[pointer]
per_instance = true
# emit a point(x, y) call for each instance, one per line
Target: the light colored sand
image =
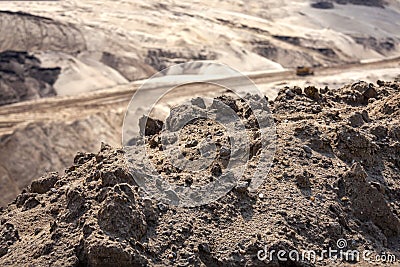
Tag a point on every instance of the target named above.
point(80, 73)
point(228, 29)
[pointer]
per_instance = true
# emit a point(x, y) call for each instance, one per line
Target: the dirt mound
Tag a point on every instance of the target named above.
point(26, 32)
point(335, 176)
point(22, 78)
point(40, 147)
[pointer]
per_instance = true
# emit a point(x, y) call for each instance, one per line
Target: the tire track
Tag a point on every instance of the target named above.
point(72, 107)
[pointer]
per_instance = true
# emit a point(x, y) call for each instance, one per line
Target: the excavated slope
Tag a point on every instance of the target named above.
point(23, 78)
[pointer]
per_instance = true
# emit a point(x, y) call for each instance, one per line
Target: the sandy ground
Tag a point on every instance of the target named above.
point(51, 130)
point(106, 48)
point(333, 186)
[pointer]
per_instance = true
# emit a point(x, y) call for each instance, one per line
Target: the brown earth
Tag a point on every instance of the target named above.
point(132, 40)
point(41, 147)
point(335, 175)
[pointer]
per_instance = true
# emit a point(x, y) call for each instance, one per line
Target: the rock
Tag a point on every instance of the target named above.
point(30, 203)
point(289, 93)
point(379, 131)
point(198, 101)
point(192, 143)
point(370, 92)
point(229, 101)
point(8, 236)
point(189, 181)
point(120, 215)
point(154, 142)
point(182, 115)
point(365, 116)
point(312, 92)
point(120, 175)
point(162, 207)
point(307, 149)
point(297, 90)
point(324, 90)
point(75, 198)
point(216, 169)
point(356, 120)
point(380, 83)
point(354, 145)
point(366, 91)
point(303, 179)
point(242, 186)
point(149, 126)
point(22, 78)
point(44, 184)
point(224, 152)
point(323, 5)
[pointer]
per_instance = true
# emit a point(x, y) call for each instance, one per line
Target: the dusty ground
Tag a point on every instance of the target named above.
point(100, 56)
point(95, 215)
point(335, 175)
point(43, 135)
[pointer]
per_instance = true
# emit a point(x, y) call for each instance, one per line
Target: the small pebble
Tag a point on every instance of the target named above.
point(224, 152)
point(162, 207)
point(289, 93)
point(307, 149)
point(242, 186)
point(345, 199)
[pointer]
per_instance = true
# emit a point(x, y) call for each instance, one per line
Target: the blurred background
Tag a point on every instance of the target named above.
point(69, 68)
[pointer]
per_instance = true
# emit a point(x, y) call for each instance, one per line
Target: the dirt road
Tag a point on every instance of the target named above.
point(71, 107)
